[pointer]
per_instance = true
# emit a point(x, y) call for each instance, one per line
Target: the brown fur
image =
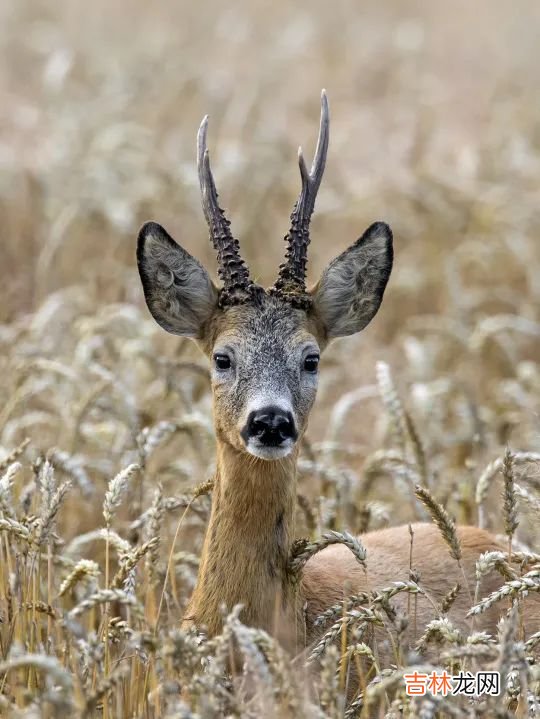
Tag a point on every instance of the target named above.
point(248, 541)
point(249, 538)
point(327, 574)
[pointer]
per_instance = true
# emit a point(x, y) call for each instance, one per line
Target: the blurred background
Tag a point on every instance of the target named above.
point(435, 128)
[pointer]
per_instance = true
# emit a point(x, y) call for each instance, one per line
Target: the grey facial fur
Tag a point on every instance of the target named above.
point(267, 345)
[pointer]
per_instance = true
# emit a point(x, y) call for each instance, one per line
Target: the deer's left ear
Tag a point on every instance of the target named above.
point(351, 288)
point(178, 290)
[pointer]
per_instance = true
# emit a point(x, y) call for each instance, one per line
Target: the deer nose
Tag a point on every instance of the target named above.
point(271, 426)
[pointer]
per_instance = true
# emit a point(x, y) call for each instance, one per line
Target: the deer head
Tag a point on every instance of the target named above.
point(264, 345)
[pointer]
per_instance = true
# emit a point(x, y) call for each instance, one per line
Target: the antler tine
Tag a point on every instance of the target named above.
point(231, 267)
point(319, 161)
point(291, 282)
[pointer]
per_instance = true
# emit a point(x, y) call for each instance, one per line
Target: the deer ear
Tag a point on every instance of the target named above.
point(351, 288)
point(178, 290)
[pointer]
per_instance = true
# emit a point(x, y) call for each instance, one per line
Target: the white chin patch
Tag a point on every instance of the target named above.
point(257, 449)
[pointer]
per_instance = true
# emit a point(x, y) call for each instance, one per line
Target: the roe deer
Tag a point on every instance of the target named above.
point(264, 347)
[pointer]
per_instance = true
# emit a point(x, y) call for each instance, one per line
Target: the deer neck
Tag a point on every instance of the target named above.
point(247, 543)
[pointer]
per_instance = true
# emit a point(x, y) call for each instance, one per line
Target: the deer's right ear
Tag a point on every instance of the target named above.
point(350, 291)
point(178, 290)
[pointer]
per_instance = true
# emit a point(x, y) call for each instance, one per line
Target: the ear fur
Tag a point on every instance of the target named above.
point(178, 290)
point(351, 288)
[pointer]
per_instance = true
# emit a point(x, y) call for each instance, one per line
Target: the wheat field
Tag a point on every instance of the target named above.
point(106, 435)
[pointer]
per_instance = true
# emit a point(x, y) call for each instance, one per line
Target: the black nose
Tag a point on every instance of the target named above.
point(271, 426)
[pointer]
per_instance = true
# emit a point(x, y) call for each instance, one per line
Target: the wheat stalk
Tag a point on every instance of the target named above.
point(307, 550)
point(529, 582)
point(440, 516)
point(116, 490)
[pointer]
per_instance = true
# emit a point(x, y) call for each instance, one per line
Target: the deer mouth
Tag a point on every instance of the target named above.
point(269, 452)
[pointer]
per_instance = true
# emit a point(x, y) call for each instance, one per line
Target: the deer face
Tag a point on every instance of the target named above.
point(264, 360)
point(264, 353)
point(263, 345)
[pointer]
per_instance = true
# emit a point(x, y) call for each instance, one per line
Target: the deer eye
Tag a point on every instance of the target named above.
point(311, 363)
point(222, 361)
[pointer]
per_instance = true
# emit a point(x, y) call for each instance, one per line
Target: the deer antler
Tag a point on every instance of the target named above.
point(237, 285)
point(291, 282)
